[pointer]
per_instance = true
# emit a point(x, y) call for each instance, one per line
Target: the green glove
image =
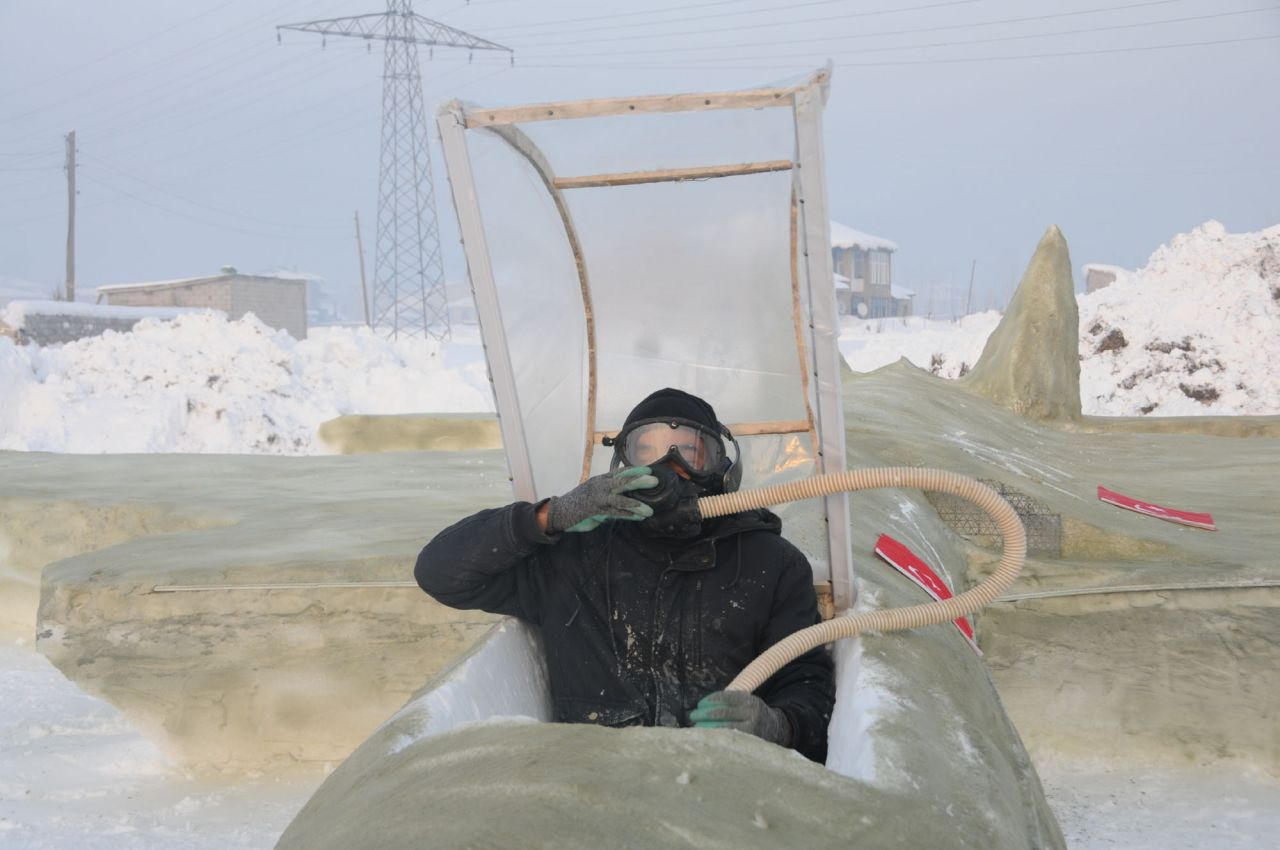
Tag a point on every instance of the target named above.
point(601, 498)
point(744, 712)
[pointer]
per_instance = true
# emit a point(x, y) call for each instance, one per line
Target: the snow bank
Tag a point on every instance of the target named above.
point(1195, 331)
point(945, 347)
point(202, 384)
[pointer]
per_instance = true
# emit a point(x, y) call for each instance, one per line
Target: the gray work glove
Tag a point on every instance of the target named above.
point(744, 712)
point(601, 498)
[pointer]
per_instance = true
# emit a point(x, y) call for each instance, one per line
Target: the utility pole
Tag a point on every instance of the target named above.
point(408, 269)
point(969, 298)
point(364, 290)
point(71, 216)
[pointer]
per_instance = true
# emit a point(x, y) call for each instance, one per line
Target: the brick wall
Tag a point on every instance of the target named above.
point(54, 329)
point(214, 294)
point(278, 303)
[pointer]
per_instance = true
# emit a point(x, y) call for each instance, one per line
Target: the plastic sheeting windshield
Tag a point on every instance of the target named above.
point(682, 271)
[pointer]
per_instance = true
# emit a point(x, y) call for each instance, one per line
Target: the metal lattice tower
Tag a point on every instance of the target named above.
point(409, 289)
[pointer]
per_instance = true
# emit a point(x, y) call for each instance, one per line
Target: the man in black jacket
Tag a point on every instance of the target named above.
point(646, 616)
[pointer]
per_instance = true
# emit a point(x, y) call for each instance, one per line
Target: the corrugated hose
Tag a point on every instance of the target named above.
point(891, 619)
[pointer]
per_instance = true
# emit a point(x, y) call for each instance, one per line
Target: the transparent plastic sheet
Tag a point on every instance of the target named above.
point(690, 286)
point(649, 142)
point(541, 302)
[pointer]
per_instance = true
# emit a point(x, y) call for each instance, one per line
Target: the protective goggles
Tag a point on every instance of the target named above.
point(687, 444)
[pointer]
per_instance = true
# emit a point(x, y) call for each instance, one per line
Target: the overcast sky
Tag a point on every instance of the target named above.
point(960, 129)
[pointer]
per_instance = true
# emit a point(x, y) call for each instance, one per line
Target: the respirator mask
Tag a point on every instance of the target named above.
point(669, 443)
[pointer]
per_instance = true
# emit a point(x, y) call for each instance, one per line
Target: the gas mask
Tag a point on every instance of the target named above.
point(693, 447)
point(674, 502)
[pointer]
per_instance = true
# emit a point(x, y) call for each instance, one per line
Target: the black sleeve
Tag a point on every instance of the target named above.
point(487, 561)
point(805, 689)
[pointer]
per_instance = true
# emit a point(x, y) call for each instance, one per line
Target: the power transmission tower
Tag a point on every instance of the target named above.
point(408, 272)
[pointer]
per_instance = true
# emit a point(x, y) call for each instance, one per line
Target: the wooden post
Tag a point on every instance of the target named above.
point(969, 298)
point(364, 291)
point(71, 216)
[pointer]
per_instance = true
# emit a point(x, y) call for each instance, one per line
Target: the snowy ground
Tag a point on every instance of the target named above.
point(1157, 807)
point(77, 776)
point(1196, 331)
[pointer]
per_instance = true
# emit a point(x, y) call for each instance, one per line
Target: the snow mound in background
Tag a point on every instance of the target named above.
point(202, 384)
point(1194, 332)
point(946, 347)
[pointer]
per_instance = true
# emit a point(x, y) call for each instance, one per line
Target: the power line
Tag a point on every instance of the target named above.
point(211, 208)
point(829, 18)
point(172, 86)
point(234, 97)
point(648, 12)
point(159, 67)
point(849, 64)
point(932, 45)
point(116, 52)
point(232, 228)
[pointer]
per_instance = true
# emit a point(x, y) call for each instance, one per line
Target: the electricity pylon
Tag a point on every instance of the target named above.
point(408, 272)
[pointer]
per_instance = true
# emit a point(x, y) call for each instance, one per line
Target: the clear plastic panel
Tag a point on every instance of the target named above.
point(690, 287)
point(650, 142)
point(541, 302)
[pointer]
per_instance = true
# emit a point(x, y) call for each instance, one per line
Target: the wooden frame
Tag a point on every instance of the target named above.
point(812, 292)
point(672, 175)
point(648, 104)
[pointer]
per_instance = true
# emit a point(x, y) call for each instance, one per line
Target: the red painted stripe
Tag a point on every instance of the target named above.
point(1196, 520)
point(897, 555)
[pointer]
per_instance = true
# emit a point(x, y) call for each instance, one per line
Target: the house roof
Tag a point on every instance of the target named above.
point(291, 273)
point(187, 281)
point(847, 237)
point(901, 291)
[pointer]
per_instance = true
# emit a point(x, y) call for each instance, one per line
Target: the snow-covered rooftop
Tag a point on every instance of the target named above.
point(17, 311)
point(286, 273)
point(846, 237)
point(187, 281)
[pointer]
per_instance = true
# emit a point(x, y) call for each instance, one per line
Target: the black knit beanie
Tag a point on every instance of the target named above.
point(675, 403)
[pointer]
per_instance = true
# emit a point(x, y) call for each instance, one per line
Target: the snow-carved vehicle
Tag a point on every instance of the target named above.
point(623, 244)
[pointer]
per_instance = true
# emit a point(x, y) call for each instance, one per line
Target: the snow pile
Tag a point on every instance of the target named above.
point(202, 384)
point(947, 348)
point(1196, 331)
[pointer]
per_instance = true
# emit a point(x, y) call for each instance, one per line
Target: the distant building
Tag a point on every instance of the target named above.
point(322, 307)
point(278, 302)
point(1099, 275)
point(863, 267)
point(58, 322)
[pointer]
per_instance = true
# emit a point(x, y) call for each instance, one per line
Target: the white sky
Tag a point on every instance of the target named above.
point(960, 130)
